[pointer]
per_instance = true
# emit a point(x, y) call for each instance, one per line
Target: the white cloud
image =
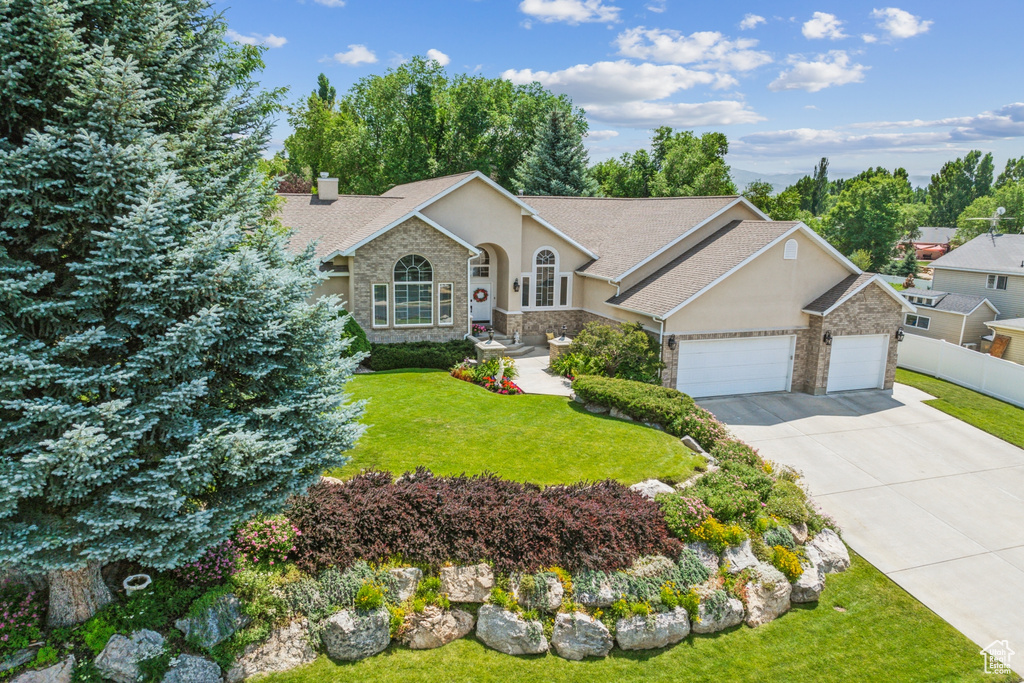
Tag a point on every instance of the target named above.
point(255, 39)
point(899, 23)
point(828, 70)
point(658, 6)
point(356, 54)
point(823, 25)
point(570, 11)
point(704, 49)
point(751, 21)
point(869, 38)
point(617, 82)
point(598, 135)
point(330, 3)
point(676, 114)
point(1005, 122)
point(438, 56)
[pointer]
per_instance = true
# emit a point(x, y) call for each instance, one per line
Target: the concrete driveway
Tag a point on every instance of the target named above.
point(934, 503)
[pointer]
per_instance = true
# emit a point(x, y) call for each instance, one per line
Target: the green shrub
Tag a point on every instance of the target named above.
point(753, 478)
point(46, 656)
point(731, 450)
point(354, 331)
point(718, 536)
point(369, 597)
point(760, 549)
point(625, 351)
point(432, 355)
point(570, 364)
point(95, 633)
point(701, 426)
point(396, 620)
point(683, 514)
point(780, 536)
point(645, 402)
point(787, 562)
point(727, 495)
point(788, 501)
point(504, 600)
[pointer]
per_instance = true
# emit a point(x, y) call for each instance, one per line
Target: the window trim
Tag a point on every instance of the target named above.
point(373, 305)
point(451, 303)
point(394, 292)
point(917, 319)
point(992, 282)
point(484, 262)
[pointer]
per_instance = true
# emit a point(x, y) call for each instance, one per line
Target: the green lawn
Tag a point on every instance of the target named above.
point(450, 426)
point(883, 635)
point(984, 412)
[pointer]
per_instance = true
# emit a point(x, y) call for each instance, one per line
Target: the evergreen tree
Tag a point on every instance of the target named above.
point(325, 91)
point(162, 376)
point(557, 164)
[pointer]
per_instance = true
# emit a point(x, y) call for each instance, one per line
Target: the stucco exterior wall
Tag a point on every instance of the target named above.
point(374, 264)
point(1009, 301)
point(536, 236)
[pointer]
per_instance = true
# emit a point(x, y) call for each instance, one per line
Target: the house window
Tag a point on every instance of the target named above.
point(918, 321)
point(563, 290)
point(544, 278)
point(996, 282)
point(414, 291)
point(380, 305)
point(481, 265)
point(790, 251)
point(526, 291)
point(444, 304)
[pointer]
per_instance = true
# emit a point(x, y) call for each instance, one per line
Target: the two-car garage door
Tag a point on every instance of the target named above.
point(747, 365)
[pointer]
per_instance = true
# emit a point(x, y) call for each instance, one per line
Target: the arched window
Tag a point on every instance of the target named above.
point(414, 291)
point(790, 250)
point(545, 265)
point(481, 264)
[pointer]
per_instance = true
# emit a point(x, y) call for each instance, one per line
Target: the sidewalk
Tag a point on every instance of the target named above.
point(534, 377)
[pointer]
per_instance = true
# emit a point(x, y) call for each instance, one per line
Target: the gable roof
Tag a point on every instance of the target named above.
point(961, 304)
point(935, 235)
point(845, 290)
point(987, 253)
point(1009, 324)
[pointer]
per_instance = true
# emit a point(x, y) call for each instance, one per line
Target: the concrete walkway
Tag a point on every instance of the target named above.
point(534, 377)
point(933, 502)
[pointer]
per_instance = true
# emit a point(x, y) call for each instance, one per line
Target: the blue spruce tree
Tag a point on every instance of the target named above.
point(162, 375)
point(557, 164)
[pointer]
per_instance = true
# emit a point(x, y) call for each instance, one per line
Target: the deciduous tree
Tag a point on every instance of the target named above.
point(957, 184)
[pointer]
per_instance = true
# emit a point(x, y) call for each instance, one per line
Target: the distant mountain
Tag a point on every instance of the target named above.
point(779, 181)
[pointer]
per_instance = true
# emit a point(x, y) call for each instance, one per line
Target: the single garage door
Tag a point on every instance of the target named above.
point(724, 367)
point(858, 362)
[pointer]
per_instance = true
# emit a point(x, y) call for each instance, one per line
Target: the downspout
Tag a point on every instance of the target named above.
point(469, 304)
point(963, 326)
point(661, 343)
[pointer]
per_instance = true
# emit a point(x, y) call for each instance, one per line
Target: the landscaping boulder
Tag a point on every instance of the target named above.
point(467, 584)
point(706, 555)
point(654, 631)
point(799, 532)
point(651, 487)
point(579, 635)
point(692, 444)
point(120, 659)
point(718, 614)
point(834, 555)
point(408, 579)
point(739, 557)
point(595, 408)
point(810, 584)
point(287, 648)
point(767, 596)
point(436, 627)
point(192, 669)
point(508, 632)
point(58, 673)
point(22, 656)
point(216, 624)
point(650, 566)
point(601, 596)
point(546, 598)
point(616, 413)
point(350, 635)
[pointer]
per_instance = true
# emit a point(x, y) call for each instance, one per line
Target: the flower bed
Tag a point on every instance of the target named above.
point(495, 374)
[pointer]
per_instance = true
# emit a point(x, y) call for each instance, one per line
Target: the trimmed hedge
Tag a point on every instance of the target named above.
point(517, 527)
point(425, 354)
point(355, 332)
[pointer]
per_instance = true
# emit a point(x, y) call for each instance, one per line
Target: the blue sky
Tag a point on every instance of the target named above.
point(912, 84)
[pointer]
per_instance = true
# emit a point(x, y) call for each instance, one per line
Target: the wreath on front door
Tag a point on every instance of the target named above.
point(480, 295)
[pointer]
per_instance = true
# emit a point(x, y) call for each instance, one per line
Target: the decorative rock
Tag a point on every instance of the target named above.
point(408, 578)
point(618, 414)
point(636, 633)
point(351, 635)
point(706, 555)
point(192, 669)
point(739, 557)
point(650, 566)
point(467, 584)
point(579, 635)
point(436, 627)
point(331, 480)
point(809, 586)
point(120, 659)
point(767, 597)
point(22, 656)
point(58, 673)
point(507, 632)
point(595, 408)
point(654, 425)
point(287, 648)
point(692, 444)
point(834, 555)
point(575, 397)
point(651, 487)
point(718, 616)
point(220, 621)
point(547, 599)
point(799, 532)
point(602, 596)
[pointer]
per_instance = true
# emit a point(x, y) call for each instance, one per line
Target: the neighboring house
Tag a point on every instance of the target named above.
point(739, 303)
point(989, 266)
point(1012, 328)
point(956, 318)
point(932, 243)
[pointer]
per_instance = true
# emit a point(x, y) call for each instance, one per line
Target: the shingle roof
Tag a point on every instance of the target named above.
point(988, 252)
point(845, 288)
point(935, 235)
point(944, 301)
point(623, 232)
point(676, 282)
point(1011, 323)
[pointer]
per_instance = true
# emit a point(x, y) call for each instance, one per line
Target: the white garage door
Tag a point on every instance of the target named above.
point(736, 366)
point(858, 362)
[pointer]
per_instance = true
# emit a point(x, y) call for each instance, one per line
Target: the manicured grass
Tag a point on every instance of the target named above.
point(883, 635)
point(984, 412)
point(432, 419)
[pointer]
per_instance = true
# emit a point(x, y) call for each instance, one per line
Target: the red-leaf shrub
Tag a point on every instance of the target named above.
point(463, 519)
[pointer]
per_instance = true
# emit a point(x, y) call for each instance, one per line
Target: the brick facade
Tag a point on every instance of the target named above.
point(537, 323)
point(374, 263)
point(670, 357)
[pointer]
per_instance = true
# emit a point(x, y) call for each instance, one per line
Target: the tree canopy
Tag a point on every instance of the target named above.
point(957, 184)
point(557, 164)
point(867, 217)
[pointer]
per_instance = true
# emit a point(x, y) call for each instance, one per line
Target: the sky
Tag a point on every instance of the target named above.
point(866, 84)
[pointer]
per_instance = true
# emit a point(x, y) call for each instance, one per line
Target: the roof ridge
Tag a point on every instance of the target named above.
point(630, 199)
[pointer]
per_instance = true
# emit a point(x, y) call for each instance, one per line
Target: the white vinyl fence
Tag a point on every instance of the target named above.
point(979, 371)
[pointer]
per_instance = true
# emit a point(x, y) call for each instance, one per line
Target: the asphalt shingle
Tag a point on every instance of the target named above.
point(988, 252)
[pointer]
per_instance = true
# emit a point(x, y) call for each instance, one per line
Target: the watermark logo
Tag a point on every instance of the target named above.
point(997, 657)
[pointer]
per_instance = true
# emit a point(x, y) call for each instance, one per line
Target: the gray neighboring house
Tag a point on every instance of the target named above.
point(989, 266)
point(957, 318)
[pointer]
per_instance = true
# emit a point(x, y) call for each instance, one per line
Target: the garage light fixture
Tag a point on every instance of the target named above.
point(827, 338)
point(515, 285)
point(672, 342)
point(899, 334)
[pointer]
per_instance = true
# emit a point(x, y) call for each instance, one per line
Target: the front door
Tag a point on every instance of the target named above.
point(480, 302)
